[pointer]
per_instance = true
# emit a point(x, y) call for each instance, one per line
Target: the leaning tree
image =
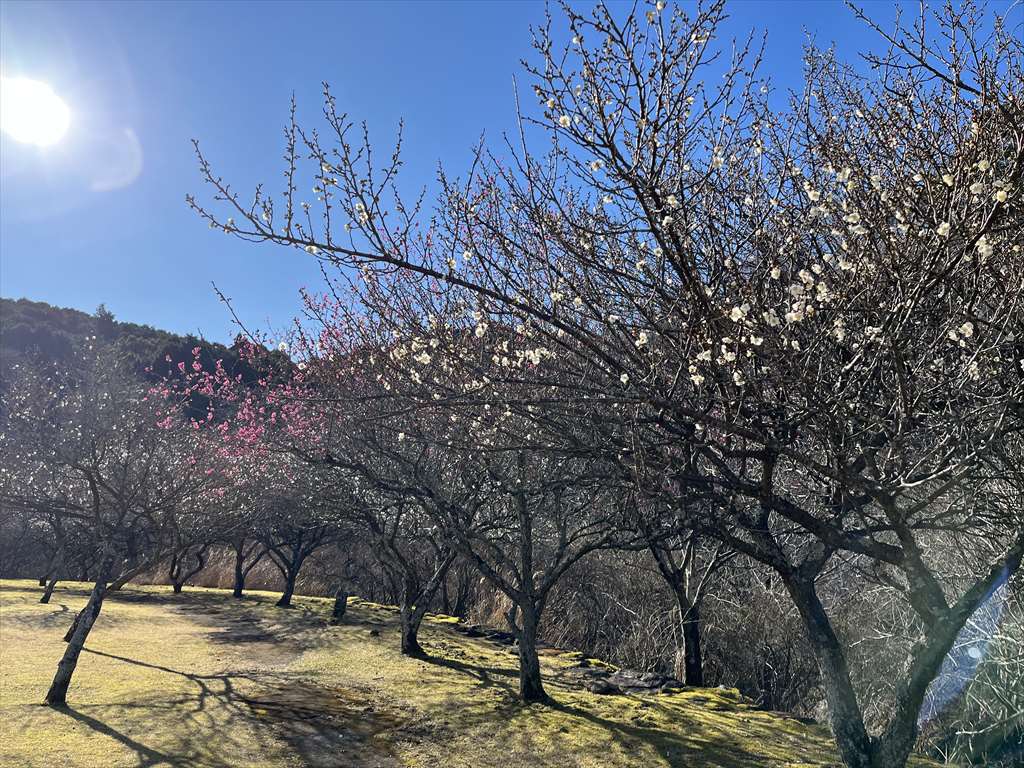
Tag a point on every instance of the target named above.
point(90, 443)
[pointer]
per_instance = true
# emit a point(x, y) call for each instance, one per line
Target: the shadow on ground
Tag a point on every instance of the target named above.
point(321, 726)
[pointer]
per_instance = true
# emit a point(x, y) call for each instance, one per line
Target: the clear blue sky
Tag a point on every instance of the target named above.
point(100, 217)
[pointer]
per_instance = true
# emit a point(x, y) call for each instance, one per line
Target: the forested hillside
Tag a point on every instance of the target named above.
point(35, 329)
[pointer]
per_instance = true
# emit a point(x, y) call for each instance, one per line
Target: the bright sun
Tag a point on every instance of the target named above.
point(30, 112)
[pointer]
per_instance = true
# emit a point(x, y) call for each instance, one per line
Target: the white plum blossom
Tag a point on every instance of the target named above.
point(983, 247)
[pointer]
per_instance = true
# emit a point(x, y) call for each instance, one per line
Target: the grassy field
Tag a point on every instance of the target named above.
point(201, 679)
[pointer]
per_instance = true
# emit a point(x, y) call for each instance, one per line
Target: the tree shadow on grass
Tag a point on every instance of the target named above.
point(146, 756)
point(683, 736)
point(223, 716)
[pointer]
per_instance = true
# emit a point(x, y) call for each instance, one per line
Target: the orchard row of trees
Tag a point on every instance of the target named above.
point(725, 334)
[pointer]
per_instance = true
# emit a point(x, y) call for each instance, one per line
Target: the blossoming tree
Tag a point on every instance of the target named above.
point(806, 319)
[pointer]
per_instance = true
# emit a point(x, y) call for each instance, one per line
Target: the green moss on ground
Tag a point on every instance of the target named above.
point(202, 679)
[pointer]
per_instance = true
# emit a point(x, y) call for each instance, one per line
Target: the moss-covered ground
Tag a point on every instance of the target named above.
point(202, 679)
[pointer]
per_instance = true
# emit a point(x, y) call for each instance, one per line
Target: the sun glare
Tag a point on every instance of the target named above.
point(30, 112)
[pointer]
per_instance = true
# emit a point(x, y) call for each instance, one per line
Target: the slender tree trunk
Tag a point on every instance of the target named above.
point(340, 605)
point(855, 745)
point(410, 619)
point(239, 569)
point(130, 574)
point(174, 572)
point(49, 590)
point(42, 579)
point(531, 687)
point(77, 634)
point(289, 589)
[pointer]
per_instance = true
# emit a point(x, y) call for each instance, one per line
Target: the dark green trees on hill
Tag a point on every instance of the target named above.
point(36, 329)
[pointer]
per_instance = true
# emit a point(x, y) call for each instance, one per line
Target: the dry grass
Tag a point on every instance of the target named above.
point(200, 679)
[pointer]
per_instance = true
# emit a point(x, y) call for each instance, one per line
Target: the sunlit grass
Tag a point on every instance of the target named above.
point(201, 679)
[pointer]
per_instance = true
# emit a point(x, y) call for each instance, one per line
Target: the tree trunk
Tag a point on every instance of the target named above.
point(239, 570)
point(77, 634)
point(49, 590)
point(855, 746)
point(131, 573)
point(340, 605)
point(289, 590)
point(531, 687)
point(411, 619)
point(42, 579)
point(176, 587)
point(174, 572)
point(689, 666)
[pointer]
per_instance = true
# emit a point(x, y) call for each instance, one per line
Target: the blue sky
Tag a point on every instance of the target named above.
point(100, 217)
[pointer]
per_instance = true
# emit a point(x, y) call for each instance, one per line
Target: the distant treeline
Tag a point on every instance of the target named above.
point(37, 329)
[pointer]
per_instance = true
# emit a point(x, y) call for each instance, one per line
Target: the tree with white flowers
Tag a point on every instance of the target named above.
point(800, 327)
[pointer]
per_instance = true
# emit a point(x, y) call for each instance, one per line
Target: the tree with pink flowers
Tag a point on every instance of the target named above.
point(91, 446)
